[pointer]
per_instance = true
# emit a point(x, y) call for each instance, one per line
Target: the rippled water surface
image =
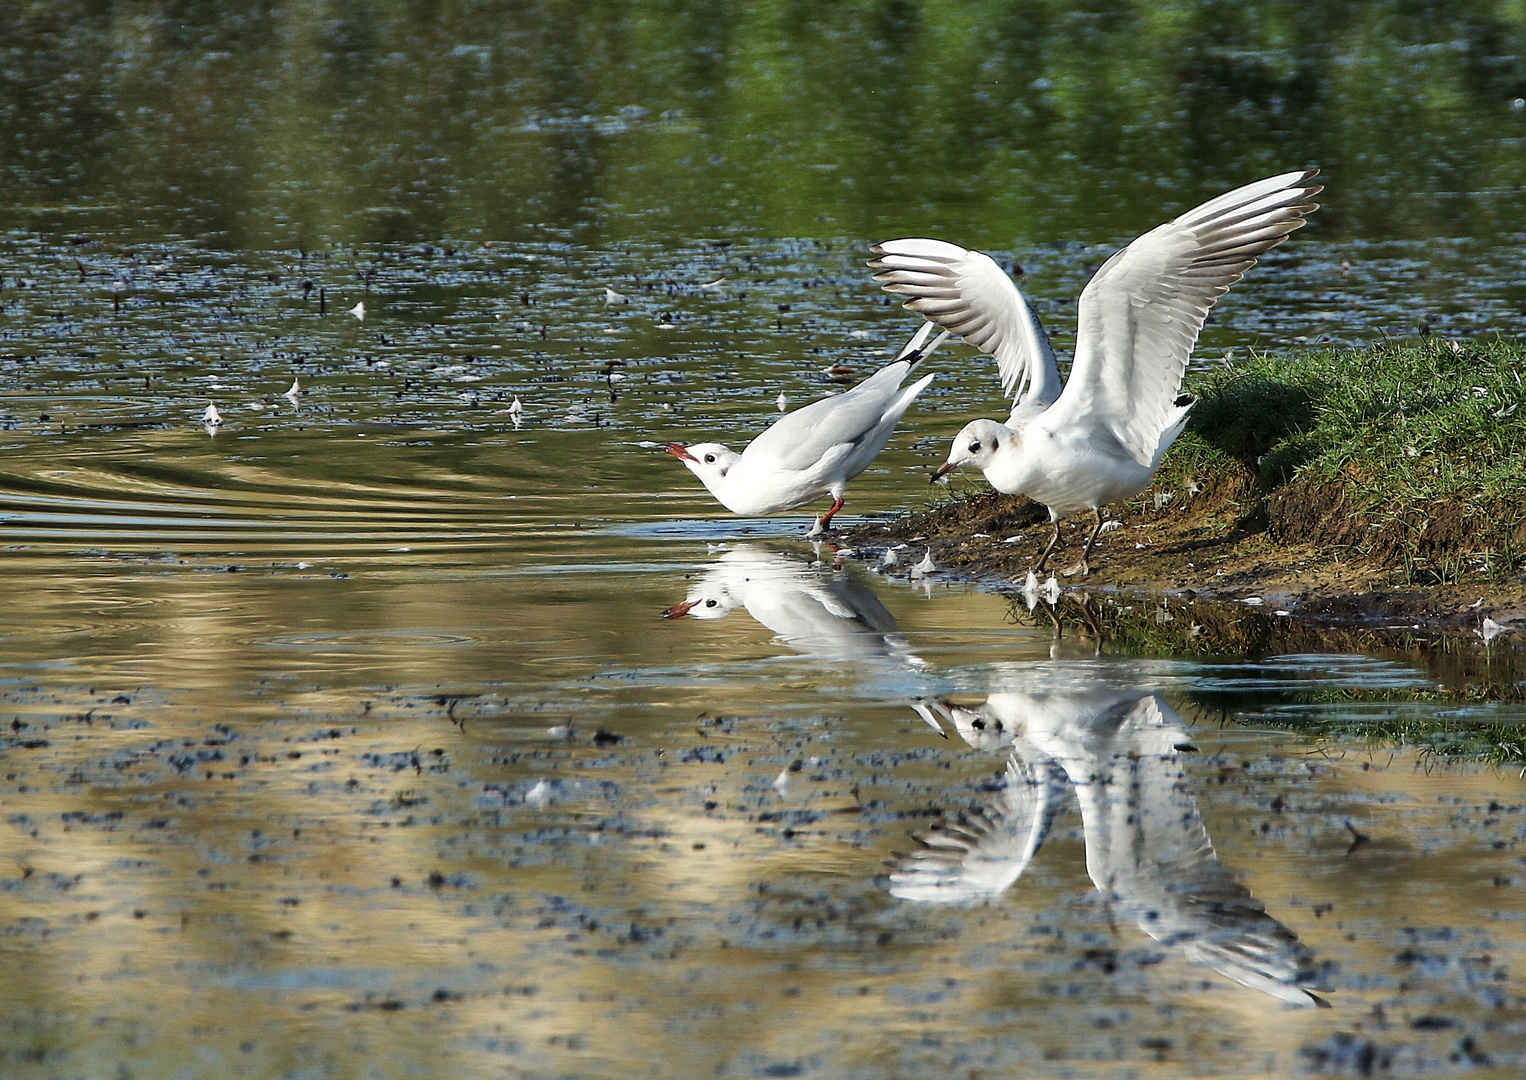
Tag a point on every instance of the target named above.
point(347, 738)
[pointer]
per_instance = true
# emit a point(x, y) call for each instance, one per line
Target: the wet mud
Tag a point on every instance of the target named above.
point(1296, 555)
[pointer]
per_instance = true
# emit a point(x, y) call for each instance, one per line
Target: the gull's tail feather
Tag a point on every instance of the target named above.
point(917, 349)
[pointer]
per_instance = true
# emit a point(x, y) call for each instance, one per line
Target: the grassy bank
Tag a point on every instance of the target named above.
point(1409, 456)
point(1318, 474)
point(1449, 713)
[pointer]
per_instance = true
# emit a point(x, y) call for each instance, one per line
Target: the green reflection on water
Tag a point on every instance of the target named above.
point(300, 125)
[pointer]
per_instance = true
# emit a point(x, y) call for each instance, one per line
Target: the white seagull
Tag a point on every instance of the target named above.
point(816, 450)
point(1101, 439)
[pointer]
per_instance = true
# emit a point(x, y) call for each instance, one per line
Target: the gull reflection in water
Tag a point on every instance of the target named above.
point(812, 607)
point(1147, 850)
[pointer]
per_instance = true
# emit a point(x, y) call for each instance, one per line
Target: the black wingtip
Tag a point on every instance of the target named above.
point(1183, 400)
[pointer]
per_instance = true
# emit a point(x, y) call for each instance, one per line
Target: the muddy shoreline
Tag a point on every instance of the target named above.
point(1195, 545)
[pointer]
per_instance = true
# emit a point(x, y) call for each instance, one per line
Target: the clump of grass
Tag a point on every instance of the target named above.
point(1441, 739)
point(1424, 715)
point(1404, 424)
point(1418, 446)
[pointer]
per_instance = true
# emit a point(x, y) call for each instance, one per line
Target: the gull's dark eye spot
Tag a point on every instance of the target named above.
point(710, 459)
point(974, 448)
point(710, 603)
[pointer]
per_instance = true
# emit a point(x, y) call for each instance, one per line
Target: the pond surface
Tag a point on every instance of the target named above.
point(348, 738)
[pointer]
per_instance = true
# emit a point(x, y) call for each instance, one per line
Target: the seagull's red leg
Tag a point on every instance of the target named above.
point(824, 522)
point(1083, 567)
point(1038, 567)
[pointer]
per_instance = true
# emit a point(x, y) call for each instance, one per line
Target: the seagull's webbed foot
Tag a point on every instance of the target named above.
point(1081, 568)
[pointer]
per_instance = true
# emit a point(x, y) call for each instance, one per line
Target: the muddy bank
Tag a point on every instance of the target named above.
point(1292, 555)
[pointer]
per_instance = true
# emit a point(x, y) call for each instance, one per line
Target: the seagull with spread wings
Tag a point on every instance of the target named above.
point(1147, 848)
point(1100, 439)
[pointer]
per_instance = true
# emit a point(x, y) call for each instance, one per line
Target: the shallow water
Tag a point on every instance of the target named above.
point(460, 812)
point(347, 738)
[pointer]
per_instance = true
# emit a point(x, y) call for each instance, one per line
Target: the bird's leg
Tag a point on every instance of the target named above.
point(824, 522)
point(1038, 567)
point(1081, 567)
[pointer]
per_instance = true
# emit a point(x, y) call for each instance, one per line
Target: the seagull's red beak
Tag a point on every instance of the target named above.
point(942, 471)
point(679, 450)
point(678, 611)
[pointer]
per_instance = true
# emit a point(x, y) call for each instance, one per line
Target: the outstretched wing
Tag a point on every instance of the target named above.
point(1142, 312)
point(981, 857)
point(1147, 847)
point(966, 292)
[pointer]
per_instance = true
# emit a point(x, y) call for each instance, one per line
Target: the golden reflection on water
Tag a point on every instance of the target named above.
point(284, 824)
point(412, 777)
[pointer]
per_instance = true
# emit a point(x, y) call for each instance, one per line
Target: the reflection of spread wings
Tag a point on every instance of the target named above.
point(982, 856)
point(1148, 851)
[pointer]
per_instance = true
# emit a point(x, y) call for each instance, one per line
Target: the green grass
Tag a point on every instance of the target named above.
point(1408, 454)
point(1448, 716)
point(1403, 425)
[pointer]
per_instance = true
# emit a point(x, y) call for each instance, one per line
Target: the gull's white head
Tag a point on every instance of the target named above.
point(709, 461)
point(976, 445)
point(984, 729)
point(706, 602)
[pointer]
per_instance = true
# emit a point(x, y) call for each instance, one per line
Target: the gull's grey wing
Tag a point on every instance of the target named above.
point(840, 426)
point(979, 858)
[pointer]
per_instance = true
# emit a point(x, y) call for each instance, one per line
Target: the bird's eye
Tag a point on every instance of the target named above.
point(710, 459)
point(974, 448)
point(710, 603)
